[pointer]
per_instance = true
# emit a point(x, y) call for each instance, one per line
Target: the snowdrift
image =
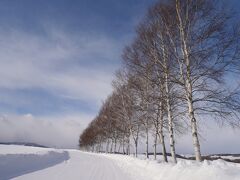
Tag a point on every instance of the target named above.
point(183, 170)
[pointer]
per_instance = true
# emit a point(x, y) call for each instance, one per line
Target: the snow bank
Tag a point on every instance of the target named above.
point(183, 170)
point(26, 160)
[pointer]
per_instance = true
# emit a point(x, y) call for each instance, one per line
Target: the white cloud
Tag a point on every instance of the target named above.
point(66, 65)
point(61, 132)
point(58, 62)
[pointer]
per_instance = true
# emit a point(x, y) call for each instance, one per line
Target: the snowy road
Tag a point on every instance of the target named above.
point(82, 166)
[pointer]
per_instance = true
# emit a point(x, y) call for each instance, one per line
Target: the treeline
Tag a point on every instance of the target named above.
point(175, 74)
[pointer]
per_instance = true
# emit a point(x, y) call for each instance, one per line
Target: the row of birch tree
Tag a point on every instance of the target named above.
point(175, 74)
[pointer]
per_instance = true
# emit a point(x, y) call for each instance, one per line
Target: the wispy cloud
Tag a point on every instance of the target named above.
point(58, 63)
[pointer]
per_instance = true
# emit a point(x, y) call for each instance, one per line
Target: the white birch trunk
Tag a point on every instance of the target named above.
point(161, 136)
point(136, 148)
point(147, 144)
point(188, 85)
point(115, 145)
point(169, 109)
point(107, 146)
point(155, 145)
point(128, 146)
point(170, 123)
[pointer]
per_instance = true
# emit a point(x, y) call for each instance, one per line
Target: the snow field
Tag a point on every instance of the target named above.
point(28, 163)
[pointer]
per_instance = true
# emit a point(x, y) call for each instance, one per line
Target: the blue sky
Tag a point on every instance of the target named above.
point(89, 37)
point(57, 61)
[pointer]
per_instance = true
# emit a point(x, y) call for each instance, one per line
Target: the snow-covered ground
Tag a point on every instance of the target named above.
point(19, 160)
point(183, 170)
point(27, 163)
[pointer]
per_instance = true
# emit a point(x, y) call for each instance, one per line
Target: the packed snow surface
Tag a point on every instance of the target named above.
point(27, 163)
